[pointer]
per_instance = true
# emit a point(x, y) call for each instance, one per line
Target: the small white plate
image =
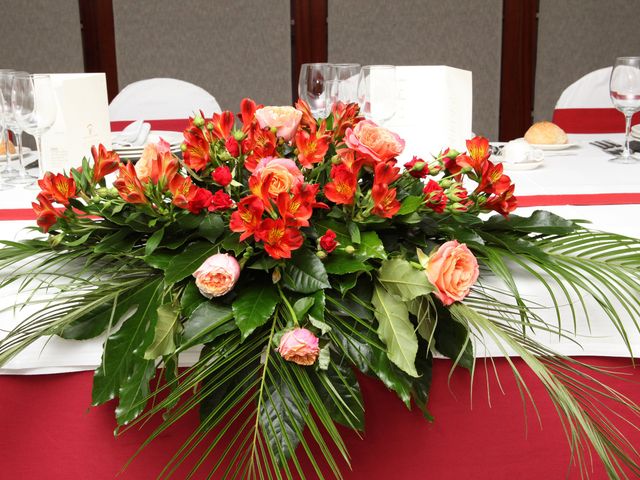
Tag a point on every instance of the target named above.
point(553, 147)
point(173, 138)
point(517, 166)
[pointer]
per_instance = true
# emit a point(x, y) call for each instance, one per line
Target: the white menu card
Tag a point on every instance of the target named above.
point(433, 109)
point(82, 120)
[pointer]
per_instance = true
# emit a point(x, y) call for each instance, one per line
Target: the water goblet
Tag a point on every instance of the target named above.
point(313, 86)
point(377, 92)
point(624, 88)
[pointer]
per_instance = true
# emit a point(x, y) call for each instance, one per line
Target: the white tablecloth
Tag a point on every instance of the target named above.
point(581, 170)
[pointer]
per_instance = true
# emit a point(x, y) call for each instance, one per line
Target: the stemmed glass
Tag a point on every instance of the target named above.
point(314, 86)
point(14, 176)
point(624, 88)
point(377, 92)
point(8, 122)
point(34, 105)
point(346, 78)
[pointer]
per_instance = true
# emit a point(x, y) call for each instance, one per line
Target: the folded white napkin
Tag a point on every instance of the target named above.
point(133, 135)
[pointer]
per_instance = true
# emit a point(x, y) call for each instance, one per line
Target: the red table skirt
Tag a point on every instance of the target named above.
point(49, 431)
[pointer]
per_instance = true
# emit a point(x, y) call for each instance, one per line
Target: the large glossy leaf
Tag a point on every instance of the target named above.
point(453, 341)
point(123, 355)
point(191, 298)
point(211, 227)
point(280, 419)
point(341, 263)
point(134, 390)
point(539, 221)
point(395, 330)
point(188, 260)
point(400, 278)
point(339, 389)
point(305, 273)
point(207, 321)
point(164, 336)
point(253, 306)
point(421, 386)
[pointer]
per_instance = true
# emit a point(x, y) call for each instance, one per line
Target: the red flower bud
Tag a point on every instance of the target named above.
point(328, 241)
point(232, 146)
point(220, 201)
point(222, 176)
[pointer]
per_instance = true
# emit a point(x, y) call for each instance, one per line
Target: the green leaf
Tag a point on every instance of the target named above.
point(191, 298)
point(395, 330)
point(324, 357)
point(371, 247)
point(153, 241)
point(539, 221)
point(400, 278)
point(133, 392)
point(253, 306)
point(208, 320)
point(410, 204)
point(344, 283)
point(211, 227)
point(394, 378)
point(120, 241)
point(305, 273)
point(164, 336)
point(421, 386)
point(123, 351)
point(341, 263)
point(281, 420)
point(317, 309)
point(354, 232)
point(159, 259)
point(264, 263)
point(454, 342)
point(186, 262)
point(302, 306)
point(340, 392)
point(232, 243)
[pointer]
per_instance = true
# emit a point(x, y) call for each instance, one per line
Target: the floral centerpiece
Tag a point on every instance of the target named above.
point(296, 252)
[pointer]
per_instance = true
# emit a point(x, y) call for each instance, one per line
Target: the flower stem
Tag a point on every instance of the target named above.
point(289, 307)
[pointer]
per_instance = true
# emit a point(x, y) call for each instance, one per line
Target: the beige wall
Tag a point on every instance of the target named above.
point(465, 34)
point(576, 37)
point(232, 49)
point(40, 36)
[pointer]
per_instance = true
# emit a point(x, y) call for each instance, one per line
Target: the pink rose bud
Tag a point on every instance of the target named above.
point(453, 270)
point(217, 275)
point(284, 120)
point(299, 346)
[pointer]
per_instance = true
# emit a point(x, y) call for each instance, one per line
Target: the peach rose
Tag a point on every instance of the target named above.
point(284, 172)
point(453, 270)
point(376, 142)
point(149, 154)
point(217, 275)
point(284, 119)
point(299, 346)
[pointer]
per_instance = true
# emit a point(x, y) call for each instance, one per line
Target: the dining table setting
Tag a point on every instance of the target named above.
point(489, 403)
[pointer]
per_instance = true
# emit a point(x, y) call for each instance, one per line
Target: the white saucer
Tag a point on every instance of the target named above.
point(517, 166)
point(553, 147)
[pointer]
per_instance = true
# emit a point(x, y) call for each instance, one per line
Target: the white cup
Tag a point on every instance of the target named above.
point(519, 151)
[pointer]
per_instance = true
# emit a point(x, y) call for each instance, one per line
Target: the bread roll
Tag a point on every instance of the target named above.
point(546, 133)
point(3, 148)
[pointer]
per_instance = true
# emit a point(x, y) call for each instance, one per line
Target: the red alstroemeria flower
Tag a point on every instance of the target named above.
point(312, 147)
point(248, 216)
point(328, 241)
point(417, 168)
point(294, 210)
point(259, 143)
point(477, 155)
point(57, 188)
point(385, 173)
point(232, 146)
point(46, 214)
point(220, 201)
point(307, 119)
point(222, 176)
point(222, 124)
point(503, 204)
point(342, 188)
point(279, 239)
point(164, 168)
point(434, 196)
point(129, 186)
point(344, 116)
point(493, 180)
point(385, 203)
point(104, 162)
point(202, 200)
point(183, 191)
point(196, 154)
point(248, 113)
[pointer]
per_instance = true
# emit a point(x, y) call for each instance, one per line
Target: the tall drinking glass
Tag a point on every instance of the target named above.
point(377, 92)
point(313, 86)
point(34, 105)
point(6, 77)
point(15, 176)
point(346, 78)
point(624, 88)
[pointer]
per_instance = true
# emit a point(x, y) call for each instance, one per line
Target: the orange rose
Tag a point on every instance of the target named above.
point(453, 270)
point(144, 165)
point(299, 346)
point(217, 275)
point(376, 142)
point(284, 119)
point(281, 174)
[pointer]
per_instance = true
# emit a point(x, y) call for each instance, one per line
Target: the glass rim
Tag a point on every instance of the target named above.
point(31, 75)
point(314, 64)
point(345, 64)
point(378, 66)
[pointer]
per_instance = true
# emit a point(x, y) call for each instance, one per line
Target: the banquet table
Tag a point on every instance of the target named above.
point(49, 431)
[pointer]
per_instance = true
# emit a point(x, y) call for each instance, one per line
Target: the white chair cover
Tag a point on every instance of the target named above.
point(591, 91)
point(161, 98)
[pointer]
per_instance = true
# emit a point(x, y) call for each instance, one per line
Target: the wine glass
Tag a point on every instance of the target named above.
point(377, 92)
point(17, 176)
point(313, 86)
point(624, 88)
point(6, 77)
point(34, 105)
point(346, 78)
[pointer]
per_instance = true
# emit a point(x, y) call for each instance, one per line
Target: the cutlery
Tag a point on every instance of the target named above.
point(606, 144)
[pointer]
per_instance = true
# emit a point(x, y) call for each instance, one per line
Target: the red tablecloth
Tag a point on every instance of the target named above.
point(49, 431)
